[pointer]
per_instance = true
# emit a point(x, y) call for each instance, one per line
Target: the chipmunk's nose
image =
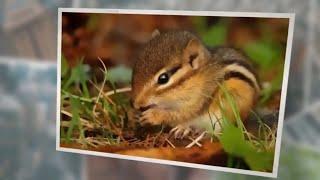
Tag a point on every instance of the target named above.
point(141, 107)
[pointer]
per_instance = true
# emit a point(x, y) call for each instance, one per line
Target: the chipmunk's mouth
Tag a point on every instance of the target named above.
point(145, 108)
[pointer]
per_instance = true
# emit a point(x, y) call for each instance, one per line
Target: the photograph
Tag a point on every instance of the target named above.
point(198, 89)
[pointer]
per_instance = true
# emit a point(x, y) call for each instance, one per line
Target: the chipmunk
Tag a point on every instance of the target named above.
point(176, 82)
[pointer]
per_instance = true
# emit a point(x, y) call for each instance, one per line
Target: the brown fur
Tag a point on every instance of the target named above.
point(193, 89)
point(243, 94)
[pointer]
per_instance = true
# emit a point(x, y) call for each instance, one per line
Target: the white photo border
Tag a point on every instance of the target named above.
point(289, 16)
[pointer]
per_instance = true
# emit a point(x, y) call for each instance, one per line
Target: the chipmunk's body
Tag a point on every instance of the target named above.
point(176, 82)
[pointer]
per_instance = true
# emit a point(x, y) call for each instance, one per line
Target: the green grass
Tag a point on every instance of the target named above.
point(87, 108)
point(256, 152)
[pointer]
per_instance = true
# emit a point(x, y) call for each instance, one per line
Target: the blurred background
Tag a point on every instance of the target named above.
point(116, 39)
point(28, 32)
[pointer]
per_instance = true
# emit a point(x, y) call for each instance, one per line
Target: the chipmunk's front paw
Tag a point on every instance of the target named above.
point(180, 131)
point(150, 117)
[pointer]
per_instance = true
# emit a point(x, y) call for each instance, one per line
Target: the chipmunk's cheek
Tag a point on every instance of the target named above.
point(169, 104)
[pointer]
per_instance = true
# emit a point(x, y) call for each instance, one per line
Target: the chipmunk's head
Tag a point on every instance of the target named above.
point(173, 73)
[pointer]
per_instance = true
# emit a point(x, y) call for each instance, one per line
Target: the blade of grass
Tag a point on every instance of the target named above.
point(75, 117)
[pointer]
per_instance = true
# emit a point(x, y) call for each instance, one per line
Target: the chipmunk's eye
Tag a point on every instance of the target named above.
point(163, 78)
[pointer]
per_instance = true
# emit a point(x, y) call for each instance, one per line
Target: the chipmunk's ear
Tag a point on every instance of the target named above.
point(194, 53)
point(155, 33)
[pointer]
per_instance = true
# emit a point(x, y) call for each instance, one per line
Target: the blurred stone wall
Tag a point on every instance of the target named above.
point(27, 89)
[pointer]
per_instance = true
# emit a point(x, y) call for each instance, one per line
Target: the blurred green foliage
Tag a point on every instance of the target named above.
point(216, 35)
point(266, 54)
point(234, 143)
point(211, 35)
point(120, 74)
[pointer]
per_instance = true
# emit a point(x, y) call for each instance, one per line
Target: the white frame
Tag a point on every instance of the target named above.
point(290, 16)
